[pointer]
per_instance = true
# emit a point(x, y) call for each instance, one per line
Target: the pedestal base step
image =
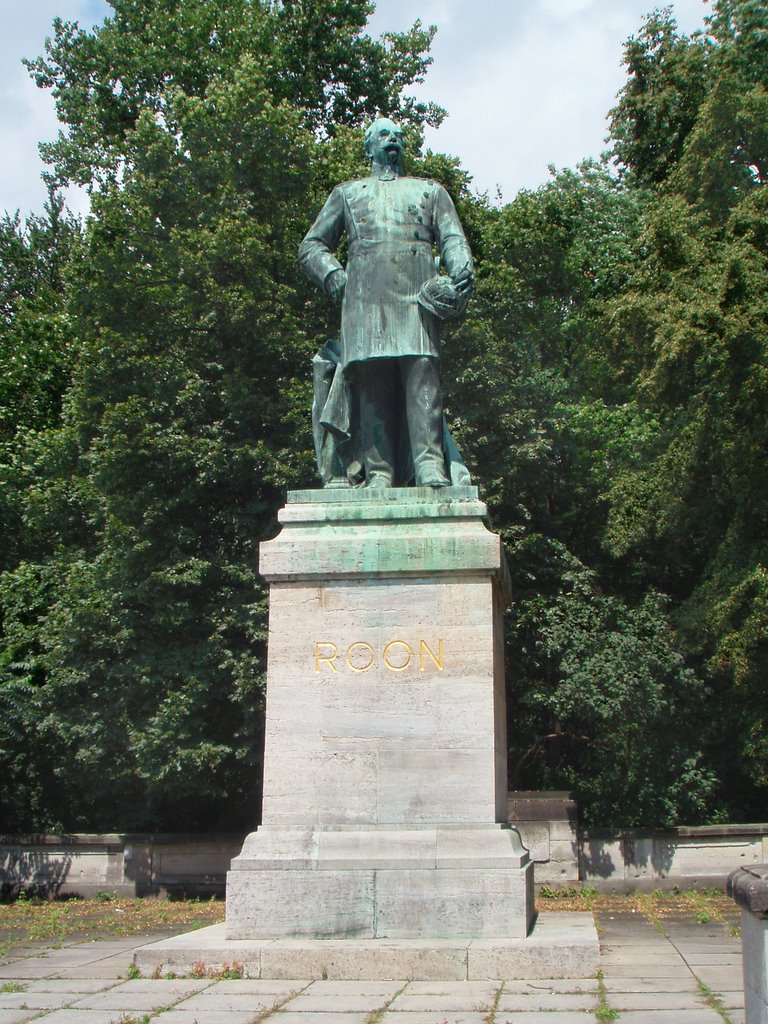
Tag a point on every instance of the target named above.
point(558, 946)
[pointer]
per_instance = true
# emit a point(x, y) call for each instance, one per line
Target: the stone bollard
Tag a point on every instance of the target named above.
point(749, 887)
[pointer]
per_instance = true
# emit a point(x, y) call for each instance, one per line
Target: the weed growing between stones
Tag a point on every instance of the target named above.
point(604, 1012)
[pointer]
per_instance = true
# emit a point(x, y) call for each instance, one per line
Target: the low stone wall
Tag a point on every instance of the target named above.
point(124, 865)
point(638, 859)
point(548, 825)
point(146, 865)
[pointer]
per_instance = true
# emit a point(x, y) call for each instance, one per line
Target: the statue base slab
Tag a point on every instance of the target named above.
point(558, 946)
point(393, 883)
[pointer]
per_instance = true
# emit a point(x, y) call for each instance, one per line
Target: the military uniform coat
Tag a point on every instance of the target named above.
point(391, 225)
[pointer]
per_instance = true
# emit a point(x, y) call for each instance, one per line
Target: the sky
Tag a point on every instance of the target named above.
point(527, 83)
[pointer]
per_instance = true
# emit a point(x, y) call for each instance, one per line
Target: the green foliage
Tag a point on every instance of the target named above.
point(37, 344)
point(134, 617)
point(607, 389)
point(667, 77)
point(312, 57)
point(691, 510)
point(603, 688)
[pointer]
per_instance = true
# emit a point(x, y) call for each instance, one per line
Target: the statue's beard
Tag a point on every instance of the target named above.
point(395, 160)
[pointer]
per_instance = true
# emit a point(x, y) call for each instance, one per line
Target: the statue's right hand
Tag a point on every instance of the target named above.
point(335, 284)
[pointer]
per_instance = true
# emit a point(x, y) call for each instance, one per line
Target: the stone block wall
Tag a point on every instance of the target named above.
point(123, 865)
point(548, 825)
point(610, 860)
point(629, 859)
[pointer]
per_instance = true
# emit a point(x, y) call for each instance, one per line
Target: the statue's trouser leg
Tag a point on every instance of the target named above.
point(378, 381)
point(424, 409)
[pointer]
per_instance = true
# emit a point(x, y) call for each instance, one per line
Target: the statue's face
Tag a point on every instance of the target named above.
point(385, 141)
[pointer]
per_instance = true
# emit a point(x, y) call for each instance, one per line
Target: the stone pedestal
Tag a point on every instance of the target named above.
point(384, 850)
point(385, 761)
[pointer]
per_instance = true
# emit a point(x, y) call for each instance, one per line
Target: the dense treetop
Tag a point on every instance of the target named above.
point(607, 389)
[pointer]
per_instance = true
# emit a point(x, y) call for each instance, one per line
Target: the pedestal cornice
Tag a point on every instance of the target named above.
point(412, 532)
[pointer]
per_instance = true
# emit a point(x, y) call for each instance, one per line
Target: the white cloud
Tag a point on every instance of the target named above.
point(27, 114)
point(526, 82)
point(564, 8)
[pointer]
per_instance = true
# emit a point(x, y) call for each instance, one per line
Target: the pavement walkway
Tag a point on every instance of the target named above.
point(688, 972)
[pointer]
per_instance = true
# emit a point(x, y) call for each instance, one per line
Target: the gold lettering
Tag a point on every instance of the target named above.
point(329, 660)
point(424, 648)
point(371, 660)
point(408, 657)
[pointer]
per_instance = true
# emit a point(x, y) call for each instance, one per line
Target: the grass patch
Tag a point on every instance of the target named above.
point(35, 921)
point(703, 905)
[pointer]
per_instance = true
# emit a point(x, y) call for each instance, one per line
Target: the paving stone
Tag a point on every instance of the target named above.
point(81, 1017)
point(572, 985)
point(267, 987)
point(446, 1001)
point(544, 1017)
point(105, 971)
point(245, 1001)
point(702, 1015)
point(654, 1000)
point(712, 959)
point(685, 983)
point(171, 989)
point(731, 1000)
point(35, 1000)
point(675, 970)
point(513, 1002)
point(74, 985)
point(126, 1002)
point(342, 1003)
point(322, 1017)
point(648, 951)
point(425, 1017)
point(209, 1017)
point(734, 946)
point(720, 979)
point(17, 1016)
point(350, 988)
point(480, 989)
point(26, 969)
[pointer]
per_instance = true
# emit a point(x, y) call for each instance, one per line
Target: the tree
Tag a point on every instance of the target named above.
point(311, 55)
point(604, 689)
point(667, 79)
point(135, 626)
point(36, 343)
point(691, 510)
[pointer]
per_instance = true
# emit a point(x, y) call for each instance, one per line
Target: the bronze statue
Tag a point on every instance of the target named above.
point(377, 391)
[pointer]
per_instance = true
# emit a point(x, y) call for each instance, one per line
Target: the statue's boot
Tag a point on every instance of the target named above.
point(377, 381)
point(424, 408)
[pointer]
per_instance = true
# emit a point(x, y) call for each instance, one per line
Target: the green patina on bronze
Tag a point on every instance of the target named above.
point(377, 414)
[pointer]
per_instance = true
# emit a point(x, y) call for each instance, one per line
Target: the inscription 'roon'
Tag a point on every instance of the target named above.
point(396, 656)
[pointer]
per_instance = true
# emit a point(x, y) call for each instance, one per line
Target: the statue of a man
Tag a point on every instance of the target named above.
point(392, 301)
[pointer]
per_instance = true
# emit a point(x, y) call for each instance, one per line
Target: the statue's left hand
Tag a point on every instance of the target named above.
point(464, 281)
point(335, 284)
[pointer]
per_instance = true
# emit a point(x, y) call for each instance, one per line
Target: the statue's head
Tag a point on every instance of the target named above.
point(384, 142)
